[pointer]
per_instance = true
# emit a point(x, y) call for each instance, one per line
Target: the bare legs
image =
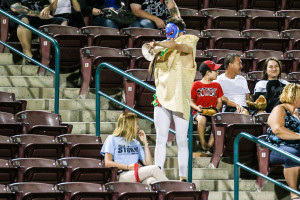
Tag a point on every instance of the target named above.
point(25, 36)
point(201, 131)
point(291, 176)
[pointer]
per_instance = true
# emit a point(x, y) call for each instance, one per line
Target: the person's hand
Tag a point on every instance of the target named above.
point(131, 166)
point(199, 108)
point(97, 11)
point(45, 13)
point(239, 108)
point(143, 136)
point(160, 23)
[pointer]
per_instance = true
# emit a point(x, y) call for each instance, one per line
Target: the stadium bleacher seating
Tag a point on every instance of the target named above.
point(8, 173)
point(9, 125)
point(8, 103)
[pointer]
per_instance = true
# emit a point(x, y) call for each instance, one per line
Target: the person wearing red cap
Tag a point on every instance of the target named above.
point(206, 93)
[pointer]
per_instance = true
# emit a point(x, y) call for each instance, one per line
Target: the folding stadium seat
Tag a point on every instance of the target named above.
point(70, 40)
point(81, 145)
point(8, 150)
point(8, 173)
point(263, 19)
point(82, 191)
point(181, 190)
point(219, 54)
point(226, 39)
point(9, 104)
point(227, 4)
point(38, 146)
point(35, 191)
point(9, 125)
point(91, 58)
point(131, 191)
point(264, 4)
point(259, 56)
point(201, 57)
point(294, 77)
point(293, 18)
point(294, 36)
point(87, 170)
point(4, 26)
point(293, 55)
point(193, 19)
point(5, 194)
point(262, 119)
point(192, 4)
point(105, 37)
point(38, 170)
point(139, 36)
point(224, 19)
point(43, 123)
point(226, 126)
point(292, 4)
point(137, 60)
point(266, 39)
point(203, 42)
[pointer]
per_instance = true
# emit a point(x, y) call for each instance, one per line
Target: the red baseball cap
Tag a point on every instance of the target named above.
point(208, 65)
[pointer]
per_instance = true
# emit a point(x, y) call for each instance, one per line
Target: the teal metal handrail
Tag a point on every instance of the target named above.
point(149, 87)
point(57, 55)
point(237, 164)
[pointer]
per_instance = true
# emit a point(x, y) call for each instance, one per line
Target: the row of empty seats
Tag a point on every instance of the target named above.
point(240, 4)
point(162, 190)
point(216, 18)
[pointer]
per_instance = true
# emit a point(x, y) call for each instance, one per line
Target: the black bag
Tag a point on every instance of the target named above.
point(123, 16)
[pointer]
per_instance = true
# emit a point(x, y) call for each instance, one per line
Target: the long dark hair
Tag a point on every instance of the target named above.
point(265, 75)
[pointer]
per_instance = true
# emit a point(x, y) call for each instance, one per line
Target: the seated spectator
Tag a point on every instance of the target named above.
point(122, 150)
point(271, 85)
point(284, 132)
point(70, 9)
point(35, 13)
point(154, 13)
point(95, 8)
point(235, 86)
point(206, 93)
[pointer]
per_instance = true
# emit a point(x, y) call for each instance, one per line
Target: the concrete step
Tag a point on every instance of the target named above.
point(243, 195)
point(89, 116)
point(27, 81)
point(6, 59)
point(19, 70)
point(200, 174)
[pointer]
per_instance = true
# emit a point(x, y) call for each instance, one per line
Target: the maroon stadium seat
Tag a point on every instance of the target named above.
point(9, 125)
point(264, 4)
point(226, 39)
point(105, 37)
point(8, 173)
point(224, 19)
point(4, 26)
point(259, 56)
point(294, 36)
point(131, 191)
point(70, 40)
point(81, 145)
point(87, 170)
point(293, 55)
point(193, 4)
point(9, 104)
point(8, 150)
point(291, 4)
point(38, 146)
point(263, 19)
point(139, 36)
point(92, 57)
point(137, 60)
point(266, 39)
point(6, 194)
point(294, 77)
point(226, 126)
point(179, 190)
point(38, 170)
point(203, 42)
point(293, 18)
point(43, 123)
point(83, 191)
point(228, 4)
point(193, 19)
point(36, 191)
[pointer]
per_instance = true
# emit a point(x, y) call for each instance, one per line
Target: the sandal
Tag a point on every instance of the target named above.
point(29, 62)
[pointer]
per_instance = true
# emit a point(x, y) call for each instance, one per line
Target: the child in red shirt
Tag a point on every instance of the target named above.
point(206, 93)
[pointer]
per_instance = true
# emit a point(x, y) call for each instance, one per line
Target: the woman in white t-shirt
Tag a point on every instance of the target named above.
point(272, 85)
point(122, 150)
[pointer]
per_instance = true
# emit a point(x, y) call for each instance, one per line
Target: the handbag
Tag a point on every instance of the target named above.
point(123, 16)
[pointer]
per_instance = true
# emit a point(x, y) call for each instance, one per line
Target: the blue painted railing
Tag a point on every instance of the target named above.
point(57, 55)
point(149, 87)
point(237, 164)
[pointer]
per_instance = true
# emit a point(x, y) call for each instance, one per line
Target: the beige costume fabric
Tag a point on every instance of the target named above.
point(173, 81)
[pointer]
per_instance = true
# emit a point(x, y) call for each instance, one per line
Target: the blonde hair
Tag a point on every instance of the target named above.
point(127, 126)
point(290, 93)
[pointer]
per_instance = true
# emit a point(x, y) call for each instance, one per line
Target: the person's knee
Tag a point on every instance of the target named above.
point(201, 120)
point(64, 23)
point(146, 23)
